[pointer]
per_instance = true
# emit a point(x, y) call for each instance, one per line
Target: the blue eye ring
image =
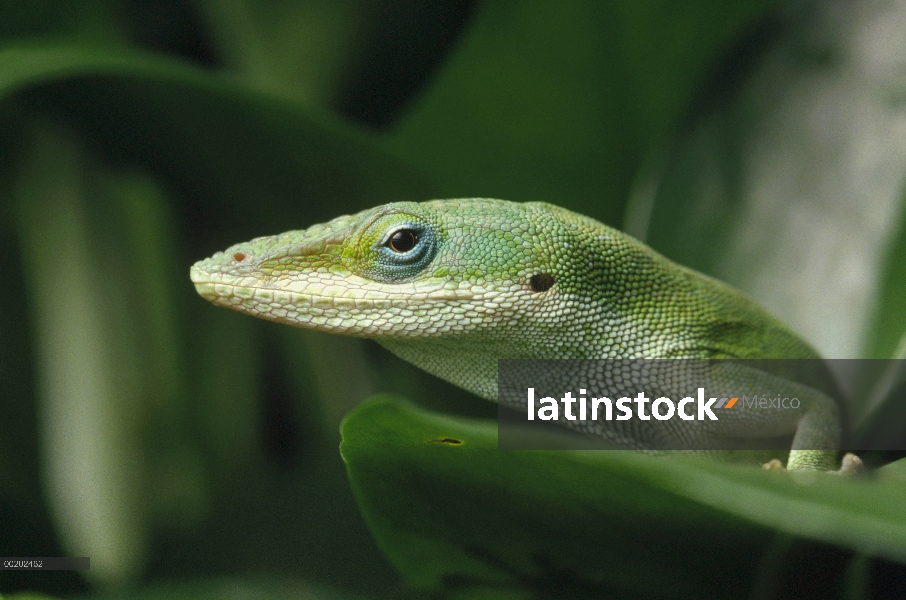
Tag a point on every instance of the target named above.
point(402, 252)
point(406, 243)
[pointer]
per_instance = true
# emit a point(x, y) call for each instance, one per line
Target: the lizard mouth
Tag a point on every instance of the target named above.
point(250, 295)
point(215, 286)
point(361, 317)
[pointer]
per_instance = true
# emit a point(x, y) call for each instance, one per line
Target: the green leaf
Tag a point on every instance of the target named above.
point(89, 395)
point(776, 186)
point(296, 49)
point(562, 102)
point(255, 587)
point(887, 337)
point(235, 588)
point(235, 163)
point(450, 510)
point(269, 161)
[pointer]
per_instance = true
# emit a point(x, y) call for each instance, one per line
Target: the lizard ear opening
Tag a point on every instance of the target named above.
point(541, 282)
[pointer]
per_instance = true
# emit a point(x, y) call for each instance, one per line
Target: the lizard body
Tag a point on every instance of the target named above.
point(454, 285)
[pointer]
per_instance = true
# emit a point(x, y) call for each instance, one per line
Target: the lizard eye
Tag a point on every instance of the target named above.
point(402, 240)
point(406, 243)
point(397, 247)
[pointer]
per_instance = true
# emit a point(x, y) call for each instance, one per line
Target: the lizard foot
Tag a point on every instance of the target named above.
point(851, 465)
point(773, 465)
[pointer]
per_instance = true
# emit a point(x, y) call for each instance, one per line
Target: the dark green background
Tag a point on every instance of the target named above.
point(192, 452)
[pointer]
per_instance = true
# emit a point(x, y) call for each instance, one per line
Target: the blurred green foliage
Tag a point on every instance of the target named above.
point(192, 452)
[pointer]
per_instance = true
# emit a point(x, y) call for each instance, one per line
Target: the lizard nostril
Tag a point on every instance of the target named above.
point(541, 282)
point(239, 256)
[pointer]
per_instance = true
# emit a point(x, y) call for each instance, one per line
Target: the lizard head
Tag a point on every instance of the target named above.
point(402, 270)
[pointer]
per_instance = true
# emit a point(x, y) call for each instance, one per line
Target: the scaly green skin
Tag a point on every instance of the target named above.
point(463, 297)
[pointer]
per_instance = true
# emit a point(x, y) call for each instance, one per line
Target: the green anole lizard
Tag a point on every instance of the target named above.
point(454, 285)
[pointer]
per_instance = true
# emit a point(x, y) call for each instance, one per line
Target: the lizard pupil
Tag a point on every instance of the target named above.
point(403, 241)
